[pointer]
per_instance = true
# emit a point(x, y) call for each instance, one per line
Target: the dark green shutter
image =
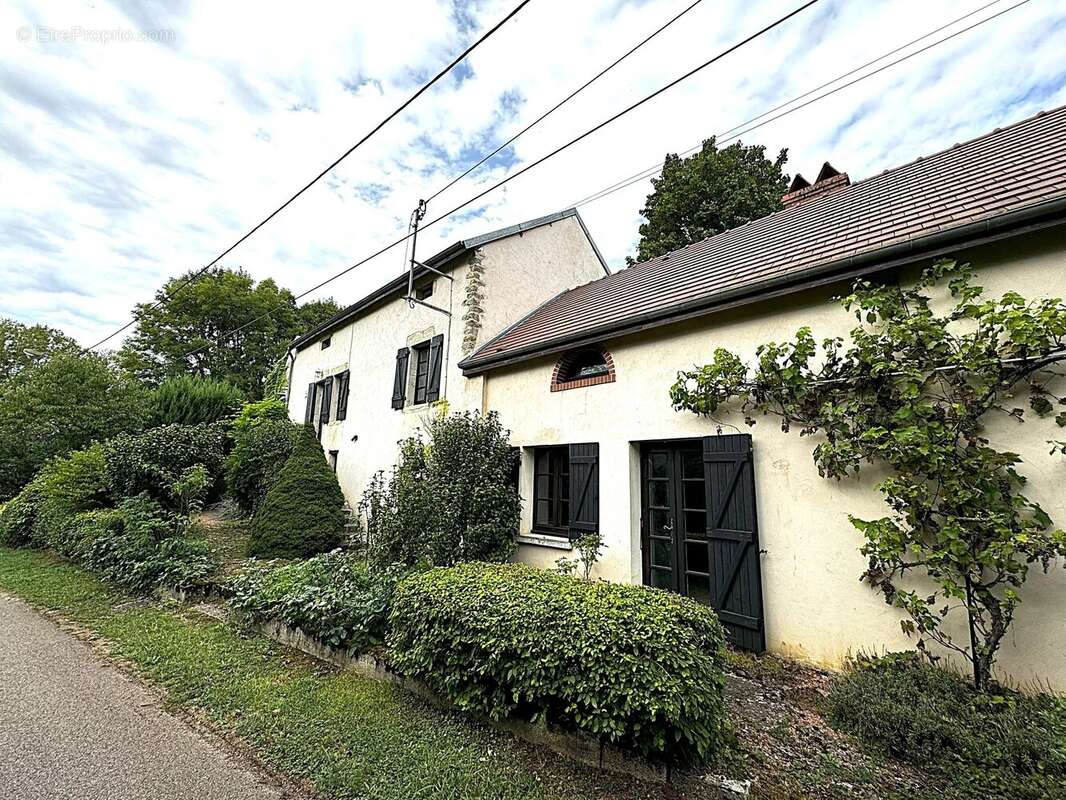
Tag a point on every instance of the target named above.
point(733, 537)
point(342, 395)
point(399, 380)
point(584, 488)
point(309, 414)
point(436, 356)
point(327, 392)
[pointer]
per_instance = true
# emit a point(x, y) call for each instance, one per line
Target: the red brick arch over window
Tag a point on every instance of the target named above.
point(564, 377)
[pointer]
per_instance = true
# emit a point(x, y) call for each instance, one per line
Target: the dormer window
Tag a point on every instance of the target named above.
point(581, 368)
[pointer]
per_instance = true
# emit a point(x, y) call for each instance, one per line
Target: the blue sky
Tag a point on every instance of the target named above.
point(129, 157)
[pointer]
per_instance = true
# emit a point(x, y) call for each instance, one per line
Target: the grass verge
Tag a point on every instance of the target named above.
point(348, 735)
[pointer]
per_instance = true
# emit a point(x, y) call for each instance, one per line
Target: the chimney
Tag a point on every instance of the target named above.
point(828, 181)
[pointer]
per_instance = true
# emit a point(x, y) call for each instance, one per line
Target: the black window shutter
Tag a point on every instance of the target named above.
point(584, 488)
point(327, 391)
point(733, 538)
point(342, 395)
point(436, 355)
point(399, 381)
point(310, 413)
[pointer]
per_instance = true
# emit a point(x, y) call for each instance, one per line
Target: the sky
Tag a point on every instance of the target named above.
point(140, 139)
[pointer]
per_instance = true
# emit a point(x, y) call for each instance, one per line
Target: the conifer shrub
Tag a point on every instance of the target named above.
point(252, 465)
point(303, 512)
point(192, 400)
point(636, 667)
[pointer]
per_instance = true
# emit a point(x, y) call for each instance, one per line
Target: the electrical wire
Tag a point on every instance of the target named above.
point(751, 37)
point(568, 98)
point(167, 296)
point(729, 135)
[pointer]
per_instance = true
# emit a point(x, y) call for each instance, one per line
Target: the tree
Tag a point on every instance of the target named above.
point(184, 335)
point(62, 405)
point(450, 500)
point(23, 346)
point(303, 513)
point(710, 192)
point(912, 392)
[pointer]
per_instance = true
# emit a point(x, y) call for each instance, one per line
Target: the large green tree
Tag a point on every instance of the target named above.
point(24, 346)
point(61, 405)
point(184, 335)
point(707, 193)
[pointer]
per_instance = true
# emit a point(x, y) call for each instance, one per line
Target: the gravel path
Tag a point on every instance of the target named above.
point(73, 727)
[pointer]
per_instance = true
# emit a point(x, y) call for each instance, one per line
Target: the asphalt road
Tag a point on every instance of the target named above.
point(74, 728)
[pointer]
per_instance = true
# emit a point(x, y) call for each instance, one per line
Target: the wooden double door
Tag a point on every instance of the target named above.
point(699, 528)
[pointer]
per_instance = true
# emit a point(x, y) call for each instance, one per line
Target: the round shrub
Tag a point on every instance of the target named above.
point(252, 466)
point(64, 486)
point(1001, 744)
point(637, 667)
point(303, 512)
point(332, 598)
point(154, 461)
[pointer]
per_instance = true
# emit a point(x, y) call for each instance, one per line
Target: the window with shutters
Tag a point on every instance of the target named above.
point(426, 365)
point(551, 490)
point(343, 381)
point(421, 357)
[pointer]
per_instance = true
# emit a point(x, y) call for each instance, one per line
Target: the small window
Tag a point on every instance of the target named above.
point(421, 353)
point(327, 342)
point(424, 291)
point(582, 368)
point(333, 459)
point(586, 364)
point(551, 490)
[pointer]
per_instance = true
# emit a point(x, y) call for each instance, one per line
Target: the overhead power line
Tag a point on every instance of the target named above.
point(743, 128)
point(751, 37)
point(320, 175)
point(568, 98)
point(405, 238)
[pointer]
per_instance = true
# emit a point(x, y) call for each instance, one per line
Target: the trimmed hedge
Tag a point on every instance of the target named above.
point(993, 745)
point(637, 667)
point(332, 598)
point(303, 513)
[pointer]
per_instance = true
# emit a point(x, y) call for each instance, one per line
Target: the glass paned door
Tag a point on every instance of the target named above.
point(674, 514)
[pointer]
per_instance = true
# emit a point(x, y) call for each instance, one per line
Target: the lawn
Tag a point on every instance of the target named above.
point(347, 735)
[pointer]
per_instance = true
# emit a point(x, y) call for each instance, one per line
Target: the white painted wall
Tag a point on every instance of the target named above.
point(816, 608)
point(520, 272)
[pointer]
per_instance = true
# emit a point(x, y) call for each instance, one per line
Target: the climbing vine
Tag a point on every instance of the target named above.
point(912, 390)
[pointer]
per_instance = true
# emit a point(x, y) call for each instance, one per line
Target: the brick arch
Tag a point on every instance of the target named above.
point(564, 364)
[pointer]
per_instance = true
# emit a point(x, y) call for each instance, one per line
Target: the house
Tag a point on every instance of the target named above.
point(743, 521)
point(368, 377)
point(579, 364)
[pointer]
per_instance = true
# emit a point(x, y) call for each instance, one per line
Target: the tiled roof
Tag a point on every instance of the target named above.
point(946, 198)
point(438, 261)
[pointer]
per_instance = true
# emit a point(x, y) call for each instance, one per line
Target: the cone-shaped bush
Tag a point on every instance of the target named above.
point(303, 513)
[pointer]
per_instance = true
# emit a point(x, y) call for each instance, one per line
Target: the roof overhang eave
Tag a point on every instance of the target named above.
point(1013, 223)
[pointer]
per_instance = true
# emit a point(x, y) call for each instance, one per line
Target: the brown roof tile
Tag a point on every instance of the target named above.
point(1013, 169)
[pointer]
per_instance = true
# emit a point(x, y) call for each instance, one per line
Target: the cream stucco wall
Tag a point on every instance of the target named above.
point(815, 606)
point(518, 273)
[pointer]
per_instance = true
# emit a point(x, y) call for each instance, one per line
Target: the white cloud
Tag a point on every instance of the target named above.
point(125, 163)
